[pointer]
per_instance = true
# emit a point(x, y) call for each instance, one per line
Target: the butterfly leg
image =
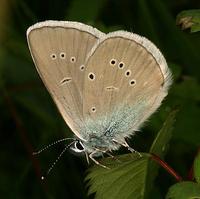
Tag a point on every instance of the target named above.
point(95, 161)
point(125, 144)
point(87, 158)
point(112, 156)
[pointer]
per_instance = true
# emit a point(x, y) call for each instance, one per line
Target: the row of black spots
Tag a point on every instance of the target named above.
point(113, 62)
point(121, 65)
point(91, 77)
point(127, 73)
point(62, 55)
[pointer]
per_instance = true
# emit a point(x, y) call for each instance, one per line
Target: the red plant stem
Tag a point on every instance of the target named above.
point(169, 169)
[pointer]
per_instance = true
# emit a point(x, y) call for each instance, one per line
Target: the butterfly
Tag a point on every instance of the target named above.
point(104, 85)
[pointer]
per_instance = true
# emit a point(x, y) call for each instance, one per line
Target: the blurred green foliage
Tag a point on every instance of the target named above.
point(30, 120)
point(189, 19)
point(184, 190)
point(197, 168)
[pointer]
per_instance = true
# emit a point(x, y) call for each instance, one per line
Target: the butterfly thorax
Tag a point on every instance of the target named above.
point(103, 133)
point(102, 143)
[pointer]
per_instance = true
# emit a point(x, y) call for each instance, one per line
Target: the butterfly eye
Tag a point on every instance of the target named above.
point(132, 82)
point(78, 147)
point(53, 56)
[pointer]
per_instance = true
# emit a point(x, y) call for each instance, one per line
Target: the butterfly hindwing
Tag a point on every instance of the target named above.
point(126, 79)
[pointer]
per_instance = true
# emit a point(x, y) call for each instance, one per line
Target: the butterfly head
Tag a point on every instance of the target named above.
point(80, 146)
point(94, 143)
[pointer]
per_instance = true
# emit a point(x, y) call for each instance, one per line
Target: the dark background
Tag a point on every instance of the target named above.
point(30, 120)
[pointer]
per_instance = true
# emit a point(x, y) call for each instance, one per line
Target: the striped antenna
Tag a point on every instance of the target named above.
point(58, 158)
point(52, 144)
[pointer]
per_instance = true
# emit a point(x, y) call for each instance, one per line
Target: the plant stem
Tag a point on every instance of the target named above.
point(169, 169)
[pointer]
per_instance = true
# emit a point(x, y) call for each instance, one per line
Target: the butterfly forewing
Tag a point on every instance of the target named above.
point(59, 50)
point(129, 77)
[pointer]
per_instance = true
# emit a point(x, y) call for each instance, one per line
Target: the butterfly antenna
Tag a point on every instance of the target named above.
point(52, 144)
point(58, 158)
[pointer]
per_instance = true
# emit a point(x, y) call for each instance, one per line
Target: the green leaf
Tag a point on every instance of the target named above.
point(164, 135)
point(197, 168)
point(124, 179)
point(159, 147)
point(184, 190)
point(189, 19)
point(182, 93)
point(133, 176)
